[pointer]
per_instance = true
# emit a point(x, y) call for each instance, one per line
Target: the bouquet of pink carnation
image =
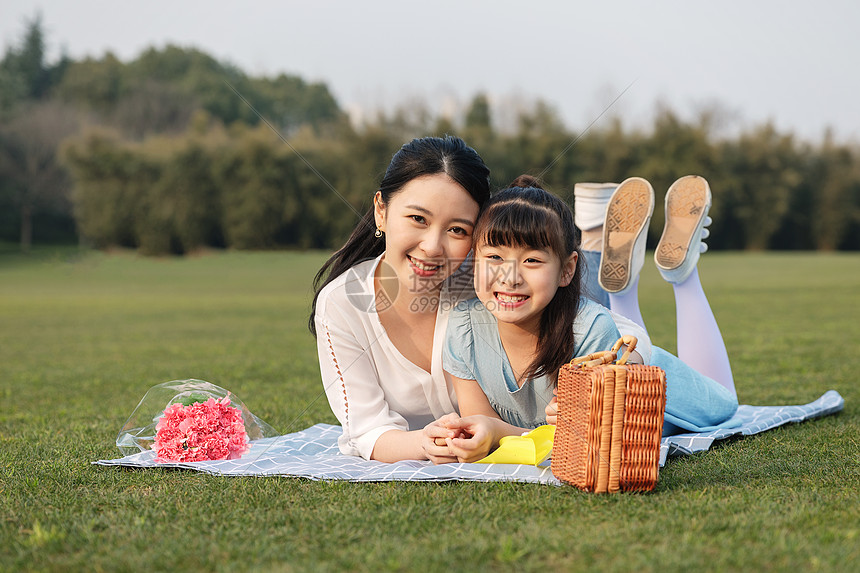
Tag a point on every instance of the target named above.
point(210, 430)
point(191, 421)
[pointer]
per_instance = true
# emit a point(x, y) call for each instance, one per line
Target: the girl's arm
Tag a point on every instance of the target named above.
point(480, 423)
point(551, 409)
point(471, 397)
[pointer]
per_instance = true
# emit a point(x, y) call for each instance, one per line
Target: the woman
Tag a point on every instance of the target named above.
point(382, 301)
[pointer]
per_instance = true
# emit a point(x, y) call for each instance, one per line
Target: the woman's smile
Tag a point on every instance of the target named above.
point(422, 268)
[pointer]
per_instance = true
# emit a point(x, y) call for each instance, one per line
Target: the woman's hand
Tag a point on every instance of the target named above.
point(551, 409)
point(434, 439)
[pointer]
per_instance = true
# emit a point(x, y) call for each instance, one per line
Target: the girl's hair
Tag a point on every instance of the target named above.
point(525, 215)
point(418, 158)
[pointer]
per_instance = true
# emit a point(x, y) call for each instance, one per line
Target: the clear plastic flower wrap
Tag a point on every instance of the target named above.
point(191, 420)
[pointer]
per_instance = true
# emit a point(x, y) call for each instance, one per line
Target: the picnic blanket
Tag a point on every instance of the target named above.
point(313, 453)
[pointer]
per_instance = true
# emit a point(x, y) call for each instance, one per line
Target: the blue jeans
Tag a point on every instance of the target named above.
point(590, 287)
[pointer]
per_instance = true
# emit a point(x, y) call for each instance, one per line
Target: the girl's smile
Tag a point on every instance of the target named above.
point(509, 300)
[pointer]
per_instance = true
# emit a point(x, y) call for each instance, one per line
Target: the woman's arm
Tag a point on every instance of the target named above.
point(352, 382)
point(396, 445)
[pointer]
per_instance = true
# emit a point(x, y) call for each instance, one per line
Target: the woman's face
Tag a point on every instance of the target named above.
point(428, 227)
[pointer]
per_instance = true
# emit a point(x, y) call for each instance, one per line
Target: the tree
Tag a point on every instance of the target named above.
point(764, 175)
point(253, 175)
point(538, 146)
point(834, 206)
point(31, 127)
point(478, 116)
point(28, 160)
point(152, 108)
point(288, 102)
point(188, 187)
point(102, 166)
point(93, 84)
point(607, 153)
point(24, 73)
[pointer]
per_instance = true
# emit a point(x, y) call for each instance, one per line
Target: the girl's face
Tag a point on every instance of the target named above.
point(517, 283)
point(428, 228)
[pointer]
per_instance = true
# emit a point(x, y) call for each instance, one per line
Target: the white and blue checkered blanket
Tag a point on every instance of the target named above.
point(313, 453)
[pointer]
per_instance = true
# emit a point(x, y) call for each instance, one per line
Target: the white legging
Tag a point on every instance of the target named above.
point(700, 343)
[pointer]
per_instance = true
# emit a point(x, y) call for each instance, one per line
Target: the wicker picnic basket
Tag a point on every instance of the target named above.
point(610, 420)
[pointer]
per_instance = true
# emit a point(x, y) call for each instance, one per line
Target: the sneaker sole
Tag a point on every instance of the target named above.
point(687, 203)
point(627, 215)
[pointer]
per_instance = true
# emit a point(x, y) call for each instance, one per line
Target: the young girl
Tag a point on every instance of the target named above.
point(504, 348)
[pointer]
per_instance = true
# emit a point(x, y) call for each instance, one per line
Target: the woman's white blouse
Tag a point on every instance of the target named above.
point(370, 386)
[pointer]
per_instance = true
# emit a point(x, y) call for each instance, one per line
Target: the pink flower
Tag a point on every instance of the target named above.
point(210, 430)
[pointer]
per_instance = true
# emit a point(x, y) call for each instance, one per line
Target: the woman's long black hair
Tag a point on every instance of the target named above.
point(525, 215)
point(418, 158)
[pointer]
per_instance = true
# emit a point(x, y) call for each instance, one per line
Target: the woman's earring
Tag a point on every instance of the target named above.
point(378, 233)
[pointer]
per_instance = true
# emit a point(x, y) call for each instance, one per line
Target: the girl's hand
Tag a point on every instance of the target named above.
point(552, 409)
point(481, 438)
point(434, 436)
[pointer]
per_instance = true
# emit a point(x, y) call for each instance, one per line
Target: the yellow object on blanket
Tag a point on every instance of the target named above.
point(530, 449)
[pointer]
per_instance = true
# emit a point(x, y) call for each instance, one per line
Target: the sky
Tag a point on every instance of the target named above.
point(790, 62)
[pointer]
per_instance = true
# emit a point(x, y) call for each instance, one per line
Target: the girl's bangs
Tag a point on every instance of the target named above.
point(520, 224)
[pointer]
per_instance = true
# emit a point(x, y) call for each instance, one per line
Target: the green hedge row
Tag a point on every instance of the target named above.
point(246, 188)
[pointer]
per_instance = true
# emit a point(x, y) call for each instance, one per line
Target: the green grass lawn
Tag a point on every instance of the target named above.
point(83, 335)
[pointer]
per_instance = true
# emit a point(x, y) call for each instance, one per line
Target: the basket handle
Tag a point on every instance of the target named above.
point(607, 356)
point(630, 341)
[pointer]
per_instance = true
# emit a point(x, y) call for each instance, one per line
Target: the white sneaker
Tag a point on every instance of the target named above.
point(687, 203)
point(625, 231)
